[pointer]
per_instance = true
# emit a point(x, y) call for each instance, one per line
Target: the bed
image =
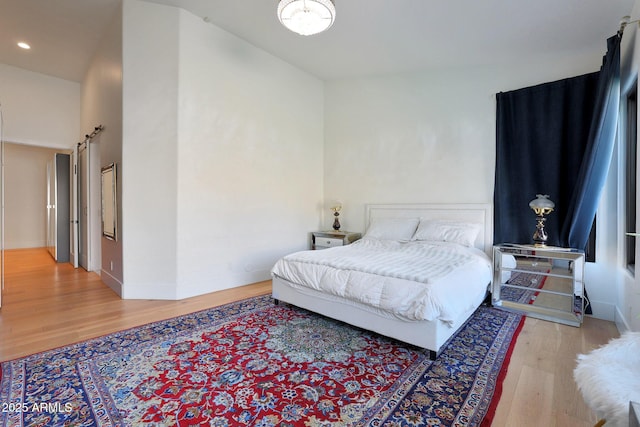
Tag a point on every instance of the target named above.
point(417, 275)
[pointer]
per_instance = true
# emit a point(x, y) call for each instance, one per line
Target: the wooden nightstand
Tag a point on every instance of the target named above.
point(329, 239)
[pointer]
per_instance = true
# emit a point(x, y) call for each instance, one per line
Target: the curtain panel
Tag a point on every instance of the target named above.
point(555, 138)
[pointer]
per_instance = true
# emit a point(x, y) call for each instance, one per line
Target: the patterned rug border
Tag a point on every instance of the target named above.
point(497, 394)
point(144, 333)
point(499, 379)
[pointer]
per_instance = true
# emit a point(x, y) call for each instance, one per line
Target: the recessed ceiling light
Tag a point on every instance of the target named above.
point(24, 45)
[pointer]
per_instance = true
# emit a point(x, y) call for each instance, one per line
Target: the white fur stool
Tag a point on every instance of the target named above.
point(609, 378)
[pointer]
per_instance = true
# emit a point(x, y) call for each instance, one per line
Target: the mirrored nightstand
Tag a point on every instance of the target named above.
point(542, 282)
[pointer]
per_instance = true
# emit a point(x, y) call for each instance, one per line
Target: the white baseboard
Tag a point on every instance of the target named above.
point(24, 244)
point(155, 291)
point(621, 321)
point(603, 310)
point(112, 282)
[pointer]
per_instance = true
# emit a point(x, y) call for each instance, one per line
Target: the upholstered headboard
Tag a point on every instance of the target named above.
point(478, 213)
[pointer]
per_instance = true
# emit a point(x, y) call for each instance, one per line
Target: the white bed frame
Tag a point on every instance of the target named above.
point(431, 335)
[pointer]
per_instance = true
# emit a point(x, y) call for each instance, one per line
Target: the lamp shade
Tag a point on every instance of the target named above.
point(541, 204)
point(306, 17)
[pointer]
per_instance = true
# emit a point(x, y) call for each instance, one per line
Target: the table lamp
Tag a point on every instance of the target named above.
point(542, 206)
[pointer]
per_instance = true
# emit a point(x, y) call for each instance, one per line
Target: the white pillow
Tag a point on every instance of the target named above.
point(463, 233)
point(401, 229)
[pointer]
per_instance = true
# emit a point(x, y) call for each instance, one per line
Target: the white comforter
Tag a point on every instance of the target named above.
point(409, 280)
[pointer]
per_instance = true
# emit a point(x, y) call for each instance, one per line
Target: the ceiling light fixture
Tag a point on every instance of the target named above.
point(306, 17)
point(24, 45)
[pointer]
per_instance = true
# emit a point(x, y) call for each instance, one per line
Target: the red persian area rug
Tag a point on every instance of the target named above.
point(253, 363)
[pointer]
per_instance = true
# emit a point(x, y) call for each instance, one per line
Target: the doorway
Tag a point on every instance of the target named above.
point(23, 202)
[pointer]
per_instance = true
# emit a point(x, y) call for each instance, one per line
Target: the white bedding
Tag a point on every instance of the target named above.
point(414, 280)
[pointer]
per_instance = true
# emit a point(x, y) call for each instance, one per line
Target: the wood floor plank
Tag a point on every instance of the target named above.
point(47, 305)
point(549, 350)
point(533, 398)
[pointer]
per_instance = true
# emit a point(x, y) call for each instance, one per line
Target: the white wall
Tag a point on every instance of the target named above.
point(249, 159)
point(38, 109)
point(422, 137)
point(222, 151)
point(149, 149)
point(102, 105)
point(429, 137)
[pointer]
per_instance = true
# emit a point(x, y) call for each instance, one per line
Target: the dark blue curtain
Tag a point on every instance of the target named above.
point(595, 163)
point(557, 139)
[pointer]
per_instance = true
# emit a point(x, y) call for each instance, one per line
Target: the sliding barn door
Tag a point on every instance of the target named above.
point(73, 209)
point(83, 205)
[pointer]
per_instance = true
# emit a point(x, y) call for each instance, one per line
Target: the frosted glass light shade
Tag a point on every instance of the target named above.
point(541, 205)
point(306, 17)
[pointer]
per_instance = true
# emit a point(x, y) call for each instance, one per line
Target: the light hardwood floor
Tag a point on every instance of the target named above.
point(47, 305)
